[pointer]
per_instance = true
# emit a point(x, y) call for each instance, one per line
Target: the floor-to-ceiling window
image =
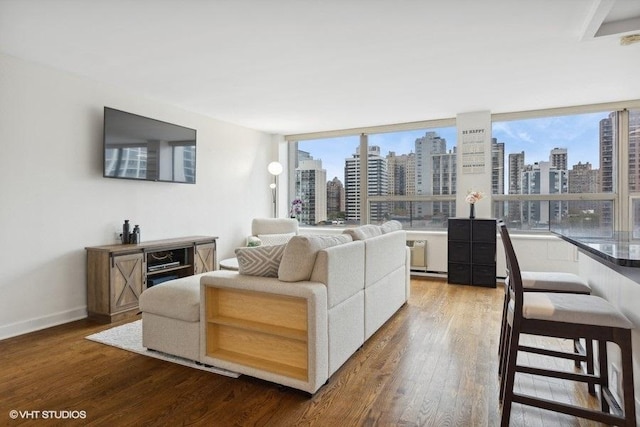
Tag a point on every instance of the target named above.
point(323, 178)
point(410, 177)
point(558, 172)
point(576, 168)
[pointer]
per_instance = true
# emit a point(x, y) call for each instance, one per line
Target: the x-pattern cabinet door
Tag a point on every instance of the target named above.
point(205, 258)
point(127, 277)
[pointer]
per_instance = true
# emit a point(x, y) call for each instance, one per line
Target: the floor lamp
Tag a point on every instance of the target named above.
point(275, 169)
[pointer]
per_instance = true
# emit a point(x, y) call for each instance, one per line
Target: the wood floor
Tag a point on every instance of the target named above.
point(433, 364)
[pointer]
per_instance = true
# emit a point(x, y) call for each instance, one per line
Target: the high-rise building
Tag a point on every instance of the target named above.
point(497, 173)
point(542, 178)
point(402, 172)
point(558, 158)
point(607, 161)
point(634, 150)
point(335, 199)
point(516, 169)
point(435, 175)
point(583, 179)
point(377, 183)
point(311, 188)
point(607, 168)
point(606, 154)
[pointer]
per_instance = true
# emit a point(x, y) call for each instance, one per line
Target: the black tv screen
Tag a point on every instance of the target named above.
point(137, 147)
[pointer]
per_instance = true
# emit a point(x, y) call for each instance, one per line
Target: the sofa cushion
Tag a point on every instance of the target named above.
point(363, 232)
point(161, 299)
point(300, 255)
point(273, 226)
point(275, 239)
point(260, 261)
point(390, 226)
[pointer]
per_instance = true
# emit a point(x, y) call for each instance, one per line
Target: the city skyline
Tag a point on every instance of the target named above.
point(427, 165)
point(579, 134)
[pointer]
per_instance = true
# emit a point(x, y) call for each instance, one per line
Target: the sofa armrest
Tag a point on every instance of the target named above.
point(265, 328)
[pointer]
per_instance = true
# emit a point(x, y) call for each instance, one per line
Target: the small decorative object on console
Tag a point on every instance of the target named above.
point(125, 232)
point(128, 236)
point(472, 198)
point(135, 235)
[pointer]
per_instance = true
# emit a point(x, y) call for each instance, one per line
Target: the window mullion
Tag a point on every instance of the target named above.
point(364, 175)
point(622, 218)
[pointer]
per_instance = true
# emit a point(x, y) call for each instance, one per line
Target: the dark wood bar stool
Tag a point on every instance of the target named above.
point(542, 281)
point(567, 316)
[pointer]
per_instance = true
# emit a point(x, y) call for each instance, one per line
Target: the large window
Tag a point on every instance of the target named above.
point(577, 169)
point(567, 172)
point(411, 177)
point(404, 171)
point(319, 173)
point(555, 168)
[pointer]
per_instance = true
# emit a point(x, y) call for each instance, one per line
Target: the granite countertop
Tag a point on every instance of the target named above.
point(620, 248)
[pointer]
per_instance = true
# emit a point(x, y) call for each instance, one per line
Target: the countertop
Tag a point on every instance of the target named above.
point(619, 248)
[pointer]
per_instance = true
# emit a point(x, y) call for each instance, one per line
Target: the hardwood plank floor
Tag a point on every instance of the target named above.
point(433, 364)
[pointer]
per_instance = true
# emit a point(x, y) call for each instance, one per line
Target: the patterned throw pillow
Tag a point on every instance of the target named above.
point(260, 261)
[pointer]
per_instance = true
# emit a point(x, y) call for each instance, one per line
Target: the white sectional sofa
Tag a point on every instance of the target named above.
point(329, 296)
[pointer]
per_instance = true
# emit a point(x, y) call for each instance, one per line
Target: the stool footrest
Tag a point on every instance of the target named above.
point(568, 409)
point(554, 353)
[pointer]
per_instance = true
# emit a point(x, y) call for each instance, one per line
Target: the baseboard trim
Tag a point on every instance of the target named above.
point(38, 323)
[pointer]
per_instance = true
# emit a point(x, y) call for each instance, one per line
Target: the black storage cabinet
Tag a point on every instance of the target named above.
point(471, 252)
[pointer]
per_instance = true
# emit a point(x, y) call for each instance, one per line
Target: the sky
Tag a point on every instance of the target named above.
point(579, 134)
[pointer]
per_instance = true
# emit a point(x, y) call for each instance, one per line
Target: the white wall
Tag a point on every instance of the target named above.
point(54, 201)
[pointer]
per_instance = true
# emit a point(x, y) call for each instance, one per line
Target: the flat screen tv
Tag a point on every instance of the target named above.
point(137, 147)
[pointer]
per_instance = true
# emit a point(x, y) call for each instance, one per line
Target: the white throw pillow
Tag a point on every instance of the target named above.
point(300, 255)
point(390, 226)
point(364, 232)
point(275, 239)
point(260, 261)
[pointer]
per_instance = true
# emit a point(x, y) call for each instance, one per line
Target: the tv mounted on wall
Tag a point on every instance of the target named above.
point(137, 147)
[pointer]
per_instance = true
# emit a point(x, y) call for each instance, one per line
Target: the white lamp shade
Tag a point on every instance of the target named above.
point(274, 168)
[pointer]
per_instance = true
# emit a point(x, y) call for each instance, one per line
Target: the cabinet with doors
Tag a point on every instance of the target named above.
point(118, 274)
point(471, 252)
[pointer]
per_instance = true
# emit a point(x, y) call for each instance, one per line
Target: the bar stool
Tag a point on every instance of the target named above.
point(542, 281)
point(563, 315)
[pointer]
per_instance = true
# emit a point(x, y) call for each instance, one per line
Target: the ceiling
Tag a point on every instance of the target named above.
point(298, 66)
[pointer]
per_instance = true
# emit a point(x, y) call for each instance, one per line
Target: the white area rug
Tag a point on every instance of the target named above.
point(129, 337)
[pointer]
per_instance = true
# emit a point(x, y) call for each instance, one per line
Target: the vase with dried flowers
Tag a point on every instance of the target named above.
point(472, 198)
point(296, 208)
